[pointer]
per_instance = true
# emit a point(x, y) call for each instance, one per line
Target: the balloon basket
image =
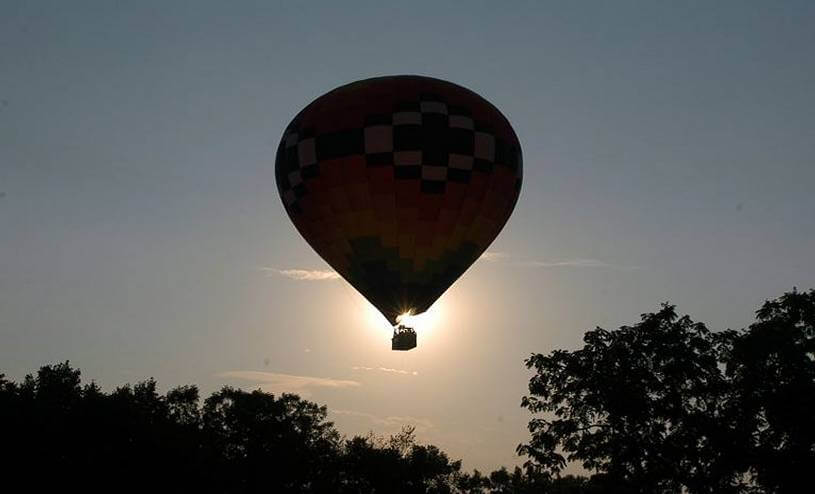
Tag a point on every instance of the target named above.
point(404, 338)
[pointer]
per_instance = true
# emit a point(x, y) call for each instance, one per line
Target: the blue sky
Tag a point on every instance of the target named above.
point(668, 152)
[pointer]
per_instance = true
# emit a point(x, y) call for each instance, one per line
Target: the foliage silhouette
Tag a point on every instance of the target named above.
point(58, 434)
point(772, 369)
point(663, 406)
point(668, 406)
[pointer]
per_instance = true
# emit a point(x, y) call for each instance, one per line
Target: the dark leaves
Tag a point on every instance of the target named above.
point(666, 405)
point(56, 435)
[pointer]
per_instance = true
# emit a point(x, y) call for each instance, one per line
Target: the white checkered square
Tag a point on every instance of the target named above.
point(461, 122)
point(307, 152)
point(378, 139)
point(484, 146)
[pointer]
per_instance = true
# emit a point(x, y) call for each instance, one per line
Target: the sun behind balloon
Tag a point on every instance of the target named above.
point(400, 183)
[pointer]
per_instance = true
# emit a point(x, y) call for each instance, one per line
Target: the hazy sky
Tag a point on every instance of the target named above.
point(668, 155)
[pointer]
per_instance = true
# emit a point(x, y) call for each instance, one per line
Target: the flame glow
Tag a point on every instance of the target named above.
point(403, 318)
point(423, 323)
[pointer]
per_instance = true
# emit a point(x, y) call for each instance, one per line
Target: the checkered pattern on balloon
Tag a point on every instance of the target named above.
point(400, 184)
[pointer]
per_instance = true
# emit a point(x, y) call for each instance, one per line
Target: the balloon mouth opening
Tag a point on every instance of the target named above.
point(403, 319)
point(404, 336)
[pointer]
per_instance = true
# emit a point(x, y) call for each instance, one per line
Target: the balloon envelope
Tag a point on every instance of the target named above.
point(400, 183)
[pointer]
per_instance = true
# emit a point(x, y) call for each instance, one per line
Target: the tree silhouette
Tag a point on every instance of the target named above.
point(772, 369)
point(266, 442)
point(662, 406)
point(666, 405)
point(58, 434)
point(529, 481)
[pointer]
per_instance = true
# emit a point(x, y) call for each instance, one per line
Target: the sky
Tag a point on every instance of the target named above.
point(668, 156)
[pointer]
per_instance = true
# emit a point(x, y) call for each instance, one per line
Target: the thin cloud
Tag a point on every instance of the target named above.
point(391, 422)
point(287, 383)
point(386, 369)
point(571, 263)
point(304, 274)
point(492, 255)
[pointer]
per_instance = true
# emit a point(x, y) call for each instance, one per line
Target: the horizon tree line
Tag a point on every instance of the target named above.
point(662, 406)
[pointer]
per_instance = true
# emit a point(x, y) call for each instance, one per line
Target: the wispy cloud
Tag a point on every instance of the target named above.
point(393, 422)
point(492, 255)
point(287, 383)
point(572, 263)
point(386, 369)
point(303, 274)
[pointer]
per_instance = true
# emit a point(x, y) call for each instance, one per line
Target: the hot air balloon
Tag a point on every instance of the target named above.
point(399, 183)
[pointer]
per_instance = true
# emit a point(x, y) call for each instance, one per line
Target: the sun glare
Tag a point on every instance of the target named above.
point(403, 318)
point(423, 323)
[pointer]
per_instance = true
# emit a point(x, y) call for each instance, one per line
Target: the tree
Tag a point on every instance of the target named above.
point(473, 483)
point(668, 406)
point(56, 434)
point(527, 481)
point(640, 405)
point(772, 369)
point(397, 464)
point(261, 442)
